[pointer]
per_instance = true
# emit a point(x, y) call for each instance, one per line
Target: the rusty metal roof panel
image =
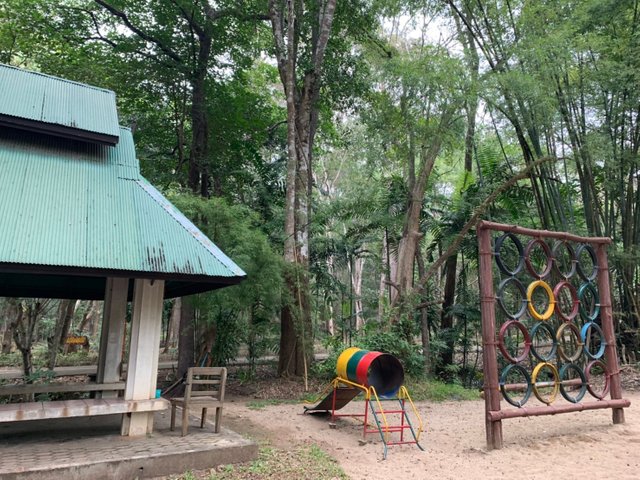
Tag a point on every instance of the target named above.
point(78, 205)
point(51, 105)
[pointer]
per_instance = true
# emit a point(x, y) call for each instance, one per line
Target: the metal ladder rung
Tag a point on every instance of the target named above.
point(395, 428)
point(410, 442)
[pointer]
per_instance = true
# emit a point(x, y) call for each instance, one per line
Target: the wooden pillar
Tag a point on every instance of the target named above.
point(606, 317)
point(142, 369)
point(489, 358)
point(112, 334)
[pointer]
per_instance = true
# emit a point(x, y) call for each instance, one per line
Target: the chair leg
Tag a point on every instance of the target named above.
point(204, 417)
point(185, 420)
point(173, 416)
point(218, 419)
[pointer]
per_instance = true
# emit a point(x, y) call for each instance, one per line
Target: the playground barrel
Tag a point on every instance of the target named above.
point(381, 371)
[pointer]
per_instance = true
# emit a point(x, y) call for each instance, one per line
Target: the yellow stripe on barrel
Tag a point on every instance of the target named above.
point(343, 360)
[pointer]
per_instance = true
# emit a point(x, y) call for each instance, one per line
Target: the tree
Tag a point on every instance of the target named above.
point(232, 315)
point(417, 106)
point(189, 38)
point(27, 314)
point(299, 31)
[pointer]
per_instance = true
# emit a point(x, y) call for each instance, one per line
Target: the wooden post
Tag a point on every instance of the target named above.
point(606, 317)
point(111, 336)
point(556, 410)
point(142, 370)
point(487, 309)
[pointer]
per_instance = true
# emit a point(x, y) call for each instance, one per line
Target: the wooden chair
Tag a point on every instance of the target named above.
point(204, 389)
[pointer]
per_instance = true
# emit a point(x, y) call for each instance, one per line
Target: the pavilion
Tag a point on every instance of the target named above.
point(77, 220)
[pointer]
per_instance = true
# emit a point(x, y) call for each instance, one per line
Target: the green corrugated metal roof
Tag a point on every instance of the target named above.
point(56, 106)
point(72, 208)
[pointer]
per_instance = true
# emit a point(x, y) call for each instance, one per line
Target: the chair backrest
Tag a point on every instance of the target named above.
point(206, 382)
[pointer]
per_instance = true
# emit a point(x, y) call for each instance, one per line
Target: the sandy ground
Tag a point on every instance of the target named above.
point(569, 446)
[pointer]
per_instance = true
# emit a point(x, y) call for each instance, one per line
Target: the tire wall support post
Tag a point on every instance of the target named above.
point(606, 316)
point(491, 392)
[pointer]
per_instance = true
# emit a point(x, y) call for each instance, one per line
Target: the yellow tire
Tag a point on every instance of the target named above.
point(556, 382)
point(552, 303)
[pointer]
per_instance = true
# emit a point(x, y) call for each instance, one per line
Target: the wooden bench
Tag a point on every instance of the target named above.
point(35, 388)
point(18, 412)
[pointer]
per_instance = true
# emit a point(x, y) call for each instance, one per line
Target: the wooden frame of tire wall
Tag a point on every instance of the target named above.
point(492, 393)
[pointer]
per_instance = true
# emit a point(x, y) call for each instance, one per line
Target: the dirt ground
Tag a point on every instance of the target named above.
point(569, 446)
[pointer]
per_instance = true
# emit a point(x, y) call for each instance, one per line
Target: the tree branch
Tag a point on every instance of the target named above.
point(138, 31)
point(189, 17)
point(479, 210)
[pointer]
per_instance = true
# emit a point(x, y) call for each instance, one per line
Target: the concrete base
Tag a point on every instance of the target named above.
point(92, 447)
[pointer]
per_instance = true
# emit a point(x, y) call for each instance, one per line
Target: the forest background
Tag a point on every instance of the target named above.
point(342, 152)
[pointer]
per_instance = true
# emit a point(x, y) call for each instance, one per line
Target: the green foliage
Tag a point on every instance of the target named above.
point(561, 79)
point(395, 342)
point(308, 461)
point(40, 376)
point(189, 475)
point(81, 357)
point(422, 389)
point(245, 311)
point(326, 369)
point(10, 359)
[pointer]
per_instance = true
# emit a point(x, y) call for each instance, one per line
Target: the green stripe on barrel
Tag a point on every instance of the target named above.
point(381, 371)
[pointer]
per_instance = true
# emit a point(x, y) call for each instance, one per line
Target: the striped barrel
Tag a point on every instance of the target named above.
point(380, 370)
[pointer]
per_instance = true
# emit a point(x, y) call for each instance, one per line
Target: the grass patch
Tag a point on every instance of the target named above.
point(40, 359)
point(264, 403)
point(301, 463)
point(437, 391)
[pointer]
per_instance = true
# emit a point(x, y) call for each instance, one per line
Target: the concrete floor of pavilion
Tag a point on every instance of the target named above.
point(92, 447)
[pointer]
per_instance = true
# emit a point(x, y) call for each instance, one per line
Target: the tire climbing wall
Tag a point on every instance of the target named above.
point(547, 328)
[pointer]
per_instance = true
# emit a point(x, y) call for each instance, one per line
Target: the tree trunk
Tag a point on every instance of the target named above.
point(66, 309)
point(89, 317)
point(173, 327)
point(424, 323)
point(356, 282)
point(296, 334)
point(446, 318)
point(198, 155)
point(186, 339)
point(411, 231)
point(7, 338)
point(11, 314)
point(384, 268)
point(330, 323)
point(28, 313)
point(95, 318)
